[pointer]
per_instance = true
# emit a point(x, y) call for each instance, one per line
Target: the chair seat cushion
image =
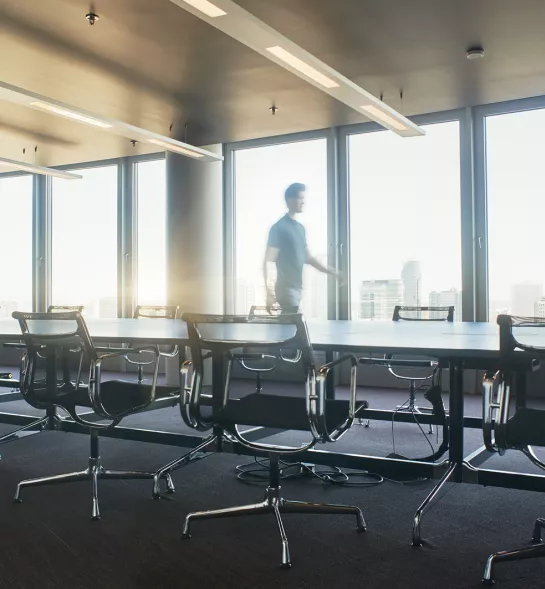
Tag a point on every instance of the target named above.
point(259, 409)
point(526, 428)
point(118, 396)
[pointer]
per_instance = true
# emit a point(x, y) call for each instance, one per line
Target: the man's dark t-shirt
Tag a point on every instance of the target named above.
point(289, 237)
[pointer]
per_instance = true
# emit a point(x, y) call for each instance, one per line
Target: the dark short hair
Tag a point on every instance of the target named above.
point(293, 190)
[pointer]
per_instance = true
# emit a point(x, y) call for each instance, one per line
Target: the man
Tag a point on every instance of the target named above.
point(287, 248)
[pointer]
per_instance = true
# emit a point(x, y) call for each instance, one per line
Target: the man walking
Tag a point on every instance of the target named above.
point(287, 248)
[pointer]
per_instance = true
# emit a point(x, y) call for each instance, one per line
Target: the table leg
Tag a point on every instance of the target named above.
point(456, 445)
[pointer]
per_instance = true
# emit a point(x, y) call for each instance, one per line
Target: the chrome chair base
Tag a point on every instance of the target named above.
point(93, 472)
point(536, 551)
point(276, 505)
point(164, 472)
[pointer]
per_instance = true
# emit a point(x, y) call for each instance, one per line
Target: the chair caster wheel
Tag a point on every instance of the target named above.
point(285, 566)
point(361, 530)
point(95, 518)
point(186, 536)
point(17, 500)
point(488, 582)
point(156, 497)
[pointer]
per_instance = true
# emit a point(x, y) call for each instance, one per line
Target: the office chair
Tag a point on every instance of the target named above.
point(324, 420)
point(43, 422)
point(153, 312)
point(424, 314)
point(508, 427)
point(54, 341)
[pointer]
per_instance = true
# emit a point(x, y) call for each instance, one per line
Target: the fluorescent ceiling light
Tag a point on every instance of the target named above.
point(302, 67)
point(381, 117)
point(243, 26)
point(175, 148)
point(70, 114)
point(29, 99)
point(208, 8)
point(33, 169)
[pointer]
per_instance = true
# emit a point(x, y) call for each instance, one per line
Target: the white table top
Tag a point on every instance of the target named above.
point(440, 339)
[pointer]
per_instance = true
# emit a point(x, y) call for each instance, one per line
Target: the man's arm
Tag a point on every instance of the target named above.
point(312, 261)
point(271, 254)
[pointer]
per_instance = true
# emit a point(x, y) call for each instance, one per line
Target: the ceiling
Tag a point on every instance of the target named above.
point(153, 65)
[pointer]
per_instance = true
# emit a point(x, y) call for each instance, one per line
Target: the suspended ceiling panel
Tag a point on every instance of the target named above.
point(153, 65)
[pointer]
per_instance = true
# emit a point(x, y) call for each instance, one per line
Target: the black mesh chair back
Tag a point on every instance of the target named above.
point(52, 341)
point(156, 312)
point(402, 313)
point(65, 308)
point(230, 335)
point(522, 347)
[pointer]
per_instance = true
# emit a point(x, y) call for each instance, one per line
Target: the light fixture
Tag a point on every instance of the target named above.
point(33, 169)
point(175, 148)
point(380, 116)
point(206, 7)
point(301, 66)
point(70, 115)
point(29, 99)
point(243, 26)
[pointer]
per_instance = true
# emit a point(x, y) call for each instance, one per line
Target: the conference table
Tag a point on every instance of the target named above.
point(458, 346)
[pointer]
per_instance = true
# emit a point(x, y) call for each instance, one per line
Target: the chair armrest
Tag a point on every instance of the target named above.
point(496, 399)
point(15, 345)
point(316, 404)
point(190, 397)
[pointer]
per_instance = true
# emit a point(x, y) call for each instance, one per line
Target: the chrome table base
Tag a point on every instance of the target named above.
point(184, 460)
point(520, 554)
point(426, 504)
point(276, 505)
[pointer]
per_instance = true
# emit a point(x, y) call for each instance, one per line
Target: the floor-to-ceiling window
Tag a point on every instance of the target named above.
point(16, 245)
point(151, 232)
point(515, 177)
point(261, 175)
point(84, 241)
point(405, 224)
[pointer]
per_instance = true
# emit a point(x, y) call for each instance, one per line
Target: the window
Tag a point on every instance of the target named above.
point(84, 241)
point(151, 235)
point(16, 245)
point(515, 180)
point(262, 174)
point(405, 225)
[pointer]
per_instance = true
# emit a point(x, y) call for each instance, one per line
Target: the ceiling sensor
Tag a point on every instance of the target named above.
point(475, 53)
point(92, 18)
point(273, 109)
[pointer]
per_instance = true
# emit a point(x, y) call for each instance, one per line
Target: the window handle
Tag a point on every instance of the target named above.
point(480, 242)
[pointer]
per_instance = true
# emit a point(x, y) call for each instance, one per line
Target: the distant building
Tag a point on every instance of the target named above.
point(524, 298)
point(539, 308)
point(411, 275)
point(448, 298)
point(378, 298)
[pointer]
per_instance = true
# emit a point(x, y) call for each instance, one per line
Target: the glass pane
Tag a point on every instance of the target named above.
point(405, 227)
point(262, 174)
point(515, 179)
point(151, 236)
point(84, 241)
point(16, 245)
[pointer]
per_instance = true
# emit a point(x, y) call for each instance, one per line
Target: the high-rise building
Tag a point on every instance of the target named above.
point(378, 298)
point(447, 298)
point(539, 308)
point(412, 283)
point(524, 298)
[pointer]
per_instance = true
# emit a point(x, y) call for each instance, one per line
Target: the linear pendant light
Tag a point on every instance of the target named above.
point(238, 23)
point(33, 169)
point(24, 97)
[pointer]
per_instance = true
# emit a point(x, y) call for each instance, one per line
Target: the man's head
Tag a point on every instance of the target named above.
point(295, 197)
